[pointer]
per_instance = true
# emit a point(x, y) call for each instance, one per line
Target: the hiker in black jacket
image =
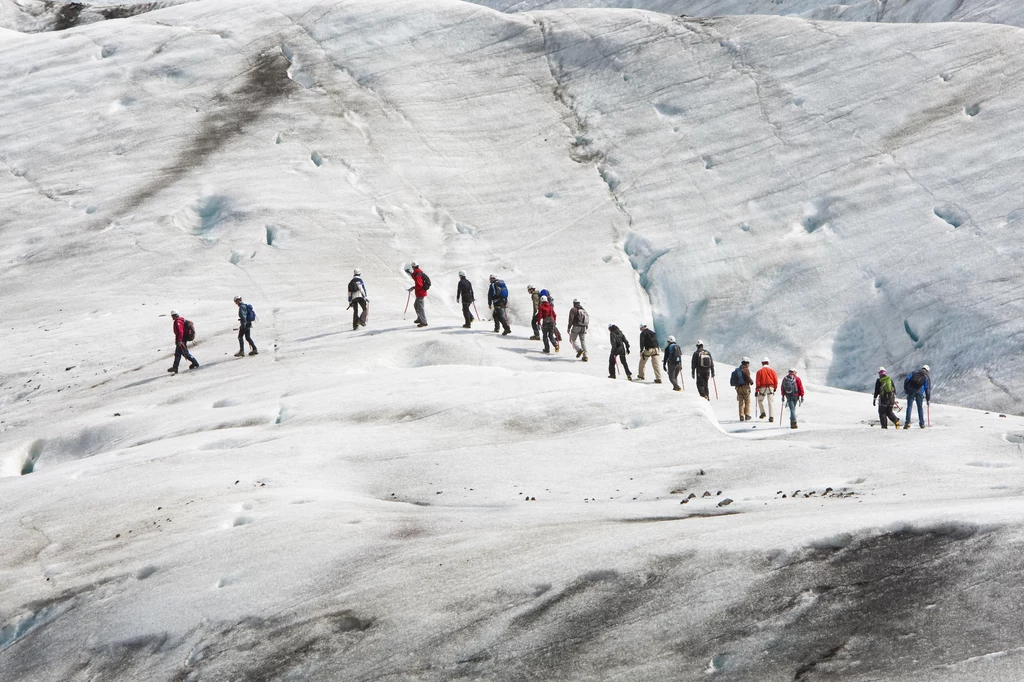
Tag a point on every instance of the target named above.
point(620, 349)
point(465, 294)
point(673, 362)
point(702, 368)
point(885, 399)
point(649, 351)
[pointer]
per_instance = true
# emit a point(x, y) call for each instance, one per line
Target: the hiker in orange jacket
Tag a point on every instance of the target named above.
point(766, 383)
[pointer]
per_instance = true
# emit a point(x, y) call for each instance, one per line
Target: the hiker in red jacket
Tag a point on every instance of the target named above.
point(546, 321)
point(420, 288)
point(766, 383)
point(180, 344)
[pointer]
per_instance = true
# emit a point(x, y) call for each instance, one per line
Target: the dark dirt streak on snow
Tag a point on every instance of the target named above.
point(265, 83)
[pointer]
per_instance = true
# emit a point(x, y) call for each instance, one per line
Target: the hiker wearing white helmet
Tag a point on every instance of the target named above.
point(649, 350)
point(497, 301)
point(246, 316)
point(620, 349)
point(885, 399)
point(464, 293)
point(766, 383)
point(579, 321)
point(792, 393)
point(358, 301)
point(673, 363)
point(741, 380)
point(420, 284)
point(546, 320)
point(918, 387)
point(702, 369)
point(184, 331)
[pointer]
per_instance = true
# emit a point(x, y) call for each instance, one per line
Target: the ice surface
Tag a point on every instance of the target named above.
point(444, 503)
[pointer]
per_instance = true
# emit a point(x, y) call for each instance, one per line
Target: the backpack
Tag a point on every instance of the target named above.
point(426, 280)
point(582, 318)
point(502, 290)
point(914, 383)
point(353, 286)
point(704, 359)
point(789, 385)
point(673, 353)
point(250, 314)
point(737, 377)
point(885, 388)
point(189, 332)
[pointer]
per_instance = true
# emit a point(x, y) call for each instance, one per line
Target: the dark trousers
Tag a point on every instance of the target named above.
point(182, 350)
point(466, 312)
point(500, 318)
point(534, 325)
point(885, 413)
point(702, 384)
point(243, 333)
point(675, 369)
point(549, 335)
point(360, 309)
point(621, 355)
point(919, 399)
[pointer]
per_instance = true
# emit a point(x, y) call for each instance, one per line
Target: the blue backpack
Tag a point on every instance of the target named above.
point(250, 314)
point(502, 289)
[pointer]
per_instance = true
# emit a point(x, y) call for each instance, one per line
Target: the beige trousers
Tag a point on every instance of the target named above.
point(766, 394)
point(651, 355)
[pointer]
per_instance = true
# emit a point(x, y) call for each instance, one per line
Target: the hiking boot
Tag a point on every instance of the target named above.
point(922, 426)
point(657, 381)
point(254, 352)
point(584, 357)
point(630, 378)
point(611, 376)
point(792, 424)
point(907, 425)
point(421, 324)
point(896, 424)
point(771, 419)
point(886, 428)
point(193, 365)
point(677, 389)
point(546, 351)
point(172, 370)
point(556, 347)
point(762, 416)
point(465, 326)
point(533, 338)
point(639, 378)
point(578, 354)
point(240, 354)
point(506, 332)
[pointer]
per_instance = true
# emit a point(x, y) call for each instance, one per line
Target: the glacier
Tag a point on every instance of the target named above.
point(443, 503)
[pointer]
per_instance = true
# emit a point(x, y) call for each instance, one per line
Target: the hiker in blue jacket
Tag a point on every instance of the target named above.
point(673, 362)
point(497, 300)
point(918, 387)
point(246, 316)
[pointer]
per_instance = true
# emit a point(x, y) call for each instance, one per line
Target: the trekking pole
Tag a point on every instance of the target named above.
point(404, 312)
point(716, 387)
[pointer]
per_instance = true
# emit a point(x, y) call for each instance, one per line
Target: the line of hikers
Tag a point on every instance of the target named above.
point(765, 382)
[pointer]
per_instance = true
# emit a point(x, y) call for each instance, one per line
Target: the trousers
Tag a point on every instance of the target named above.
point(653, 355)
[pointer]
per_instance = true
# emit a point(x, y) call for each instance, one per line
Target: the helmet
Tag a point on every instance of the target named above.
point(462, 273)
point(671, 339)
point(764, 361)
point(415, 264)
point(926, 368)
point(236, 299)
point(544, 299)
point(174, 313)
point(530, 287)
point(881, 370)
point(643, 326)
point(745, 361)
point(575, 301)
point(610, 325)
point(356, 272)
point(492, 277)
point(699, 342)
point(792, 371)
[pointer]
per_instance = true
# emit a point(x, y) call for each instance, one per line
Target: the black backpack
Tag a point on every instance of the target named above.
point(426, 280)
point(914, 382)
point(353, 286)
point(704, 359)
point(190, 332)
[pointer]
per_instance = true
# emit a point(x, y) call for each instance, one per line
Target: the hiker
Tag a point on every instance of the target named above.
point(420, 285)
point(673, 362)
point(918, 387)
point(246, 316)
point(551, 300)
point(357, 299)
point(579, 320)
point(183, 329)
point(792, 391)
point(766, 383)
point(535, 296)
point(497, 301)
point(742, 381)
point(464, 293)
point(649, 350)
point(702, 368)
point(546, 320)
point(885, 399)
point(620, 349)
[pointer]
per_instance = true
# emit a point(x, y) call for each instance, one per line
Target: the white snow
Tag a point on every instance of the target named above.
point(360, 505)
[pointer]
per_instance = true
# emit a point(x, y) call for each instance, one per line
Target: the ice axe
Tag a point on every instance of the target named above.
point(404, 312)
point(929, 414)
point(716, 386)
point(480, 319)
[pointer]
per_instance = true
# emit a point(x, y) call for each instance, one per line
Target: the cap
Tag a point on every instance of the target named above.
point(575, 301)
point(671, 339)
point(699, 342)
point(764, 361)
point(926, 368)
point(544, 299)
point(174, 313)
point(356, 272)
point(745, 361)
point(643, 326)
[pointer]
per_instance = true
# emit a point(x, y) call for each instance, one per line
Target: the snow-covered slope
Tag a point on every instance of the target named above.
point(896, 11)
point(353, 505)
